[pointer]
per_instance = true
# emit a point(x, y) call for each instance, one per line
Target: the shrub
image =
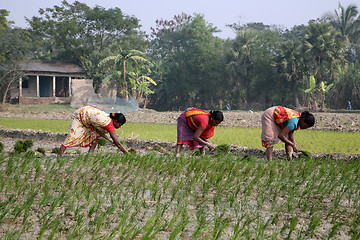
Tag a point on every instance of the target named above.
point(1, 147)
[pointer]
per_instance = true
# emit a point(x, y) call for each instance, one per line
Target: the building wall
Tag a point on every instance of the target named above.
point(30, 91)
point(82, 90)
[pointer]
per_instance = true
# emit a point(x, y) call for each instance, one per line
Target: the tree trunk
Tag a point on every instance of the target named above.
point(126, 86)
point(296, 97)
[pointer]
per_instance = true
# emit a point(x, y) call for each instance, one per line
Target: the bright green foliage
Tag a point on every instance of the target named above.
point(190, 59)
point(84, 35)
point(14, 49)
point(346, 87)
point(2, 146)
point(129, 71)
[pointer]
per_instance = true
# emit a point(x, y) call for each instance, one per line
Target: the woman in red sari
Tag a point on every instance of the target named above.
point(88, 124)
point(195, 127)
point(278, 125)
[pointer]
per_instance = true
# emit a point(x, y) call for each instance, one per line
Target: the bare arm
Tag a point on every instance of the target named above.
point(200, 140)
point(288, 140)
point(117, 142)
point(104, 136)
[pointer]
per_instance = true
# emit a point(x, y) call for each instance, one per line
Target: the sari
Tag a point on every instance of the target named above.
point(84, 127)
point(272, 122)
point(187, 124)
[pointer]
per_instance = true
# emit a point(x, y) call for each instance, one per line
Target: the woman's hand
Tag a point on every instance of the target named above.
point(211, 146)
point(117, 142)
point(296, 148)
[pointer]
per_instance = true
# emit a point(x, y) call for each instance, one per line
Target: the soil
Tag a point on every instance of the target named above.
point(335, 121)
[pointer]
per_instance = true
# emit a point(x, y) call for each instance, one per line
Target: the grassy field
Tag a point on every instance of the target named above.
point(110, 196)
point(310, 140)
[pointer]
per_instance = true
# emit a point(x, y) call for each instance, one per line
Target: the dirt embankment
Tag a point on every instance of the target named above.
point(324, 121)
point(339, 121)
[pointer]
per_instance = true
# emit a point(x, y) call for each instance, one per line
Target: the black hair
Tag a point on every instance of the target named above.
point(309, 119)
point(217, 115)
point(118, 117)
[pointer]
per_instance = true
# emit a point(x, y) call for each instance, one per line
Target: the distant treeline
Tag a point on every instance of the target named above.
point(182, 64)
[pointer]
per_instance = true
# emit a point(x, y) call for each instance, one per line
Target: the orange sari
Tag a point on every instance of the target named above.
point(272, 121)
point(194, 122)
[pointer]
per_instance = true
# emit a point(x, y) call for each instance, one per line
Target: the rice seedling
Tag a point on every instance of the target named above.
point(154, 196)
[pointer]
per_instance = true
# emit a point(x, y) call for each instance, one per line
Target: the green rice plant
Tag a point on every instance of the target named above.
point(41, 150)
point(55, 150)
point(293, 223)
point(28, 143)
point(19, 146)
point(314, 222)
point(102, 142)
point(223, 147)
point(184, 221)
point(109, 196)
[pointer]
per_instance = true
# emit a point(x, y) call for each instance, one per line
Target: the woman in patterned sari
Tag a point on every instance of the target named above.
point(195, 127)
point(278, 125)
point(88, 124)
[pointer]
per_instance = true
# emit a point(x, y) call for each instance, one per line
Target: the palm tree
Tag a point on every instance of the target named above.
point(291, 65)
point(324, 52)
point(344, 20)
point(347, 21)
point(122, 64)
point(240, 62)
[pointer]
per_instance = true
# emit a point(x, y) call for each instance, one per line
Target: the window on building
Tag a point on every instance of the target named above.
point(25, 83)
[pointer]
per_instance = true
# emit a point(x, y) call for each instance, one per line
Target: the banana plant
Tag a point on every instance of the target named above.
point(311, 90)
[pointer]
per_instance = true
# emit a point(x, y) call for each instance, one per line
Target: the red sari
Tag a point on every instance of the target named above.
point(188, 123)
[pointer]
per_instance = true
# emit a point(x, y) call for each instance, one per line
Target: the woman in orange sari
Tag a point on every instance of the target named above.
point(278, 125)
point(195, 127)
point(88, 124)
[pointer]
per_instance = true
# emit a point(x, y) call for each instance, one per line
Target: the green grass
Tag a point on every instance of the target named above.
point(309, 140)
point(40, 108)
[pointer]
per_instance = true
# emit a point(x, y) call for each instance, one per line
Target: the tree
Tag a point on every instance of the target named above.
point(14, 48)
point(130, 66)
point(190, 60)
point(346, 88)
point(291, 65)
point(84, 35)
point(324, 53)
point(240, 63)
point(347, 21)
point(250, 65)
